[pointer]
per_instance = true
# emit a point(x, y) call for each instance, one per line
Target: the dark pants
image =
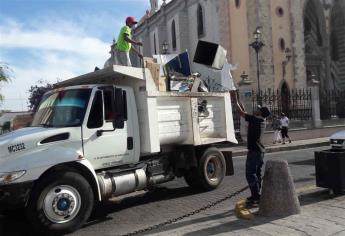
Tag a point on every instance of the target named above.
point(254, 164)
point(285, 132)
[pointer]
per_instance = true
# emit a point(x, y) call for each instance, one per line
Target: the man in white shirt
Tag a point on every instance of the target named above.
point(285, 127)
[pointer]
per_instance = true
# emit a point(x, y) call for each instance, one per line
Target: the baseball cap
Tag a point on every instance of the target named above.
point(131, 20)
point(264, 111)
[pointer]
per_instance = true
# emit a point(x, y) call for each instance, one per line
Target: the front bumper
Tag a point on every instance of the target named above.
point(14, 196)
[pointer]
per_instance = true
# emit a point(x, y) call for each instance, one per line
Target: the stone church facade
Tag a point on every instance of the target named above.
point(304, 39)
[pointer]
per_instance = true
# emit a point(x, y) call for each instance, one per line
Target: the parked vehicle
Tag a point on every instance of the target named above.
point(110, 133)
point(337, 140)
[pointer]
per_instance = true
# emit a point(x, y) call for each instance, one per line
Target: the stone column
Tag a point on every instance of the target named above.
point(316, 106)
point(296, 15)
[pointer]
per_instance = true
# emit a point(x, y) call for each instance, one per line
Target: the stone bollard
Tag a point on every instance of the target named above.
point(278, 196)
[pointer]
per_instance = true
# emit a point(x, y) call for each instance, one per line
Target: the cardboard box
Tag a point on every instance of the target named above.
point(149, 60)
point(163, 84)
point(160, 82)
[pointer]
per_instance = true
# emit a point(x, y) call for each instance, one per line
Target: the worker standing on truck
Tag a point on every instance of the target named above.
point(124, 43)
point(256, 150)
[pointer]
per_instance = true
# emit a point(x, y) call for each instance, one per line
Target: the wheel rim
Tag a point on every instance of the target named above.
point(213, 169)
point(61, 204)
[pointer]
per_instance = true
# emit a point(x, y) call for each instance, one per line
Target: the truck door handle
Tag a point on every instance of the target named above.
point(130, 143)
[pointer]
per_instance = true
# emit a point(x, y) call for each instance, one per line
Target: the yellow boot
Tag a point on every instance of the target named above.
point(242, 212)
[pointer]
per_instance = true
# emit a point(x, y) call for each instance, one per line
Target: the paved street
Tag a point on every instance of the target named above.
point(174, 199)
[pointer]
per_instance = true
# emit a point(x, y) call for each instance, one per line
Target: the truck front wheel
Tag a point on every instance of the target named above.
point(212, 169)
point(60, 203)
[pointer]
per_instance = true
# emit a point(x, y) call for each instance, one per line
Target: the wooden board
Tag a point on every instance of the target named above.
point(160, 82)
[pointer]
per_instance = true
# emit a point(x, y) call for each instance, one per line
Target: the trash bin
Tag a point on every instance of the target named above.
point(330, 169)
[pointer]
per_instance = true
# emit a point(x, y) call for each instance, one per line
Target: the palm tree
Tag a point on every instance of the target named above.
point(4, 75)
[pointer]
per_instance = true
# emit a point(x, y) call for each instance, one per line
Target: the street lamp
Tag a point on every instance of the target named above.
point(257, 45)
point(165, 47)
point(245, 80)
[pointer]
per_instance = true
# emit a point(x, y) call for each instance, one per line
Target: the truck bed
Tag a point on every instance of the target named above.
point(173, 118)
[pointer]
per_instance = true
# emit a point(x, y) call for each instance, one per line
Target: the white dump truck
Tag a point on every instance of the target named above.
point(110, 133)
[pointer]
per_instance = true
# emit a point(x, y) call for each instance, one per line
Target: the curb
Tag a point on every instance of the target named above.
point(272, 149)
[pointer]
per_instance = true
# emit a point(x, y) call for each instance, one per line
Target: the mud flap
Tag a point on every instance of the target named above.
point(229, 163)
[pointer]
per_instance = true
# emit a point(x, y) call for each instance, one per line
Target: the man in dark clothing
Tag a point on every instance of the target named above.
point(256, 150)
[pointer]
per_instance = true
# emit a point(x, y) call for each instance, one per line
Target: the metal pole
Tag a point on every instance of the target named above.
point(258, 75)
point(257, 45)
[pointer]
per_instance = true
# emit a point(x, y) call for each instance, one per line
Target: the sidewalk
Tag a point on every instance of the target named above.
point(321, 214)
point(241, 150)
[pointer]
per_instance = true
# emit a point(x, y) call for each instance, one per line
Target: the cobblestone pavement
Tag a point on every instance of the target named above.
point(123, 215)
point(322, 214)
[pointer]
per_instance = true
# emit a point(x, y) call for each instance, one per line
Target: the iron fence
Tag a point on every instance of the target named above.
point(236, 117)
point(296, 104)
point(332, 104)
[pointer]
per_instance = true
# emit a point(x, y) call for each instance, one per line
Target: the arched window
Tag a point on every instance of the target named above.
point(307, 26)
point(319, 36)
point(200, 17)
point(154, 44)
point(173, 35)
point(334, 46)
point(237, 3)
point(282, 44)
point(280, 11)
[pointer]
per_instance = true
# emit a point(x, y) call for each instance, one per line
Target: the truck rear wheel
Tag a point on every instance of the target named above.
point(210, 172)
point(212, 169)
point(192, 178)
point(60, 203)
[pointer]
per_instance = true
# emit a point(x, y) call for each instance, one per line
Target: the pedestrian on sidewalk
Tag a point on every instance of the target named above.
point(285, 127)
point(124, 43)
point(256, 150)
point(276, 127)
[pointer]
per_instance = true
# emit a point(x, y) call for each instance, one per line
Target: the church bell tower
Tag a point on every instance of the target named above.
point(154, 5)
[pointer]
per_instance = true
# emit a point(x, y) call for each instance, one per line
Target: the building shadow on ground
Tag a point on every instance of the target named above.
point(227, 227)
point(316, 196)
point(103, 210)
point(313, 197)
point(17, 225)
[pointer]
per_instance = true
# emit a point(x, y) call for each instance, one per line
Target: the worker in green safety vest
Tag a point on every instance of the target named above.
point(124, 43)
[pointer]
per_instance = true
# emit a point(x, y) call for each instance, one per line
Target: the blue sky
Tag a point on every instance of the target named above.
point(50, 39)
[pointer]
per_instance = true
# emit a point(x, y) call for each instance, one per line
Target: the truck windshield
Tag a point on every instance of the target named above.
point(62, 108)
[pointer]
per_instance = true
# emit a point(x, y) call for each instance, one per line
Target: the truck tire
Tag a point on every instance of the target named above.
point(60, 203)
point(192, 178)
point(212, 169)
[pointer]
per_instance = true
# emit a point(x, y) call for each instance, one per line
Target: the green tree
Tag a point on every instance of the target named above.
point(6, 126)
point(36, 93)
point(4, 75)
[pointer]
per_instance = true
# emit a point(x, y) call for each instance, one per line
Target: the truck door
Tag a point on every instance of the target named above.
point(103, 145)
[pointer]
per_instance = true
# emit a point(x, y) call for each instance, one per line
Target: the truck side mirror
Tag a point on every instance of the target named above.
point(120, 109)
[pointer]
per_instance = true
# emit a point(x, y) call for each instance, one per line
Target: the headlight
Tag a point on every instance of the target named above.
point(9, 177)
point(337, 141)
